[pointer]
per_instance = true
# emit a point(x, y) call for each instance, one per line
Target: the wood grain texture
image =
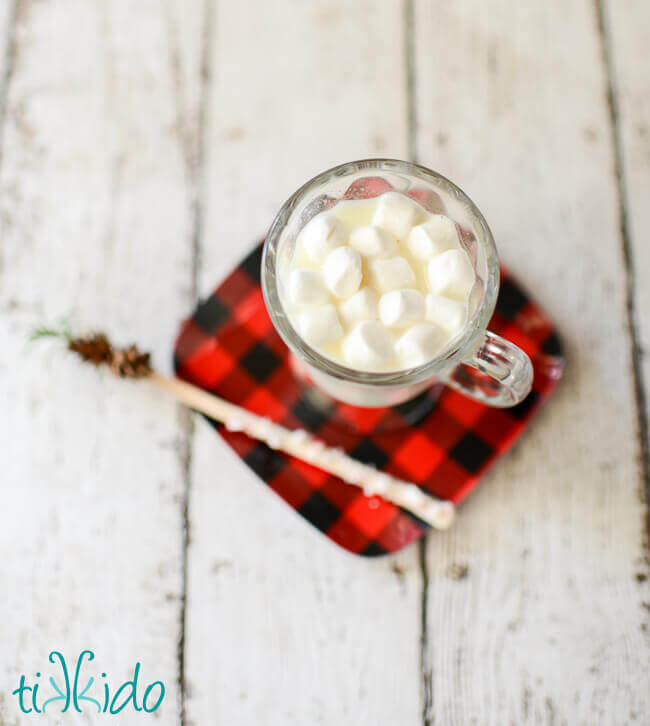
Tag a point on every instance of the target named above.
point(511, 103)
point(284, 627)
point(95, 224)
point(144, 148)
point(626, 29)
point(7, 49)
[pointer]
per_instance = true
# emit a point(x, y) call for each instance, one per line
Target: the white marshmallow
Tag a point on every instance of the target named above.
point(322, 234)
point(307, 288)
point(401, 307)
point(397, 213)
point(436, 235)
point(368, 346)
point(320, 326)
point(391, 274)
point(362, 303)
point(342, 271)
point(450, 315)
point(374, 242)
point(419, 344)
point(451, 274)
point(361, 306)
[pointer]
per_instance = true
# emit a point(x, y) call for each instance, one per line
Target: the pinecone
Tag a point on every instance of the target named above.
point(95, 349)
point(130, 363)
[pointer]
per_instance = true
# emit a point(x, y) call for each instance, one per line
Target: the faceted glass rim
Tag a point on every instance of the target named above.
point(462, 348)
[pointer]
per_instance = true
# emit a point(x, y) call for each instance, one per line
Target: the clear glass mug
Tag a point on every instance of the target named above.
point(479, 363)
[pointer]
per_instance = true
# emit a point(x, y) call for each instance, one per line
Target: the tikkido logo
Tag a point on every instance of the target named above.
point(97, 697)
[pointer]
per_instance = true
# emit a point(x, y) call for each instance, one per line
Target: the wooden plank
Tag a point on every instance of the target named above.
point(626, 35)
point(325, 96)
point(284, 627)
point(95, 224)
point(547, 626)
point(7, 47)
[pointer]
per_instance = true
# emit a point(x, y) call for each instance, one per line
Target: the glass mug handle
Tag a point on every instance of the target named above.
point(498, 373)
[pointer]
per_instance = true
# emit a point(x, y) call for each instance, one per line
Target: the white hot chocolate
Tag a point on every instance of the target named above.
point(379, 284)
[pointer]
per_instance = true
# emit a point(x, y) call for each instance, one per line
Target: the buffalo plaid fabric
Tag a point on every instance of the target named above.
point(230, 347)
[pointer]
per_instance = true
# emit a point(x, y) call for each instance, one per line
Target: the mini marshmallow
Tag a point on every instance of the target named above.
point(397, 213)
point(361, 306)
point(401, 307)
point(386, 288)
point(450, 315)
point(451, 274)
point(419, 344)
point(368, 346)
point(391, 274)
point(322, 234)
point(306, 288)
point(436, 235)
point(342, 271)
point(374, 242)
point(320, 326)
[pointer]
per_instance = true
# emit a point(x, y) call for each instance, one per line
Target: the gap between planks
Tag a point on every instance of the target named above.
point(426, 675)
point(636, 353)
point(193, 152)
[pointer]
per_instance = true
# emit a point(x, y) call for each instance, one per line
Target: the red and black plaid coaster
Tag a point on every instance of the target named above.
point(230, 347)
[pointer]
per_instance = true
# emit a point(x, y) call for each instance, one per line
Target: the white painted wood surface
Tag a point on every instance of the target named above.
point(95, 222)
point(306, 632)
point(144, 148)
point(546, 629)
point(628, 43)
